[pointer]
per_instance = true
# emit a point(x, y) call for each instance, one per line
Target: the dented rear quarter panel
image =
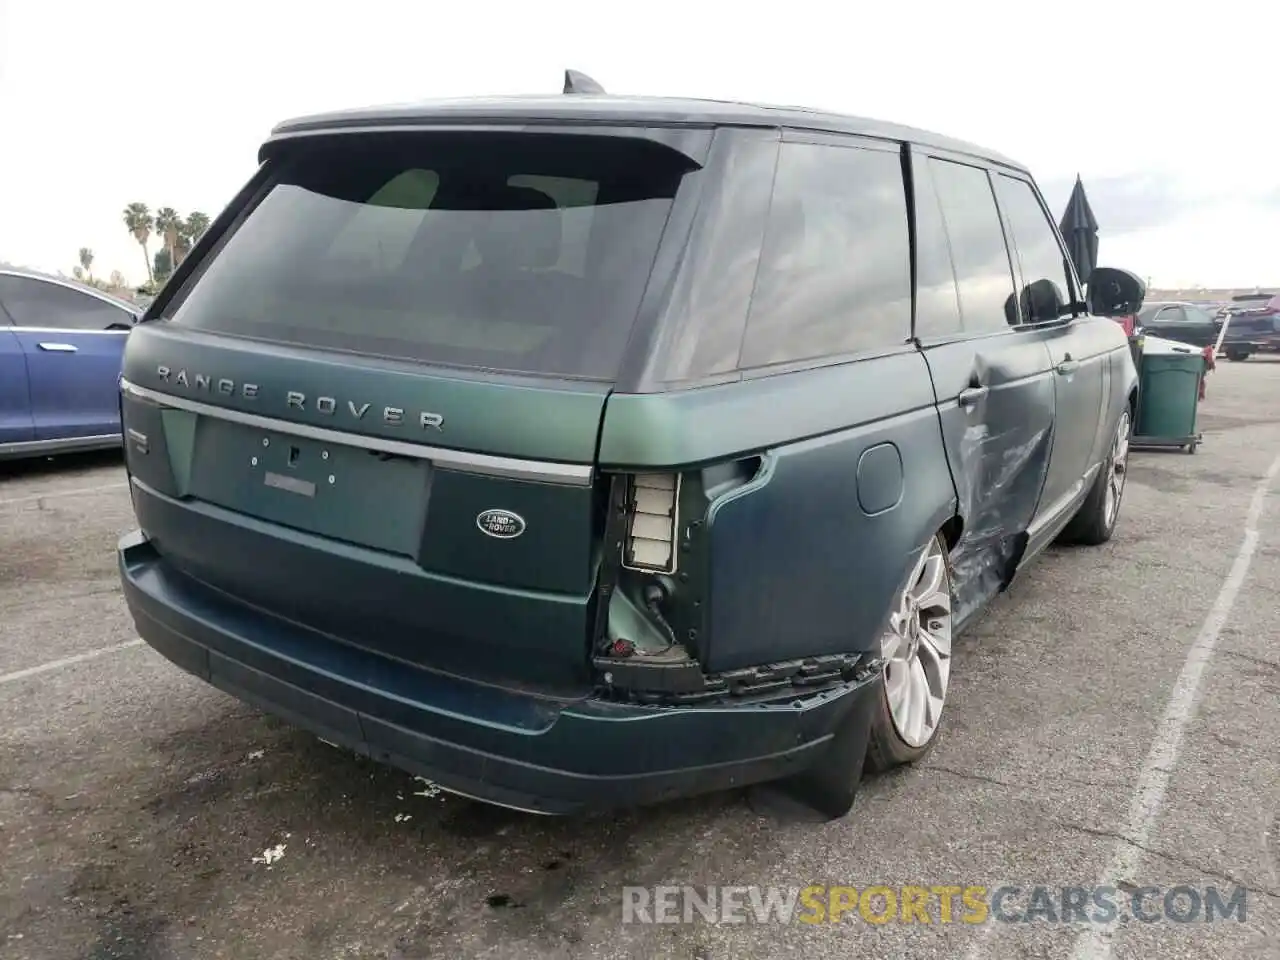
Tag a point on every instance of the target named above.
point(806, 558)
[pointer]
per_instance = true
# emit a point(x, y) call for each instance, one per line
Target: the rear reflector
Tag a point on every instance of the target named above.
point(651, 523)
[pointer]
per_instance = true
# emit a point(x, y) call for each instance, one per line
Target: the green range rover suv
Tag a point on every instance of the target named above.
point(582, 451)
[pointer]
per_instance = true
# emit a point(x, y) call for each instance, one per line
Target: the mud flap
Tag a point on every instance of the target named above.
point(828, 788)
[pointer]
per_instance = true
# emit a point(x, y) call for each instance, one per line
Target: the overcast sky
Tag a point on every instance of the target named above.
point(1174, 130)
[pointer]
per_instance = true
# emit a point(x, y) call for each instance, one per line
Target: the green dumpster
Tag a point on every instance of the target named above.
point(1168, 399)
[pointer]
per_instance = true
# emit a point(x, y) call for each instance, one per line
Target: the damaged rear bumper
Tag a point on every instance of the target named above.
point(527, 751)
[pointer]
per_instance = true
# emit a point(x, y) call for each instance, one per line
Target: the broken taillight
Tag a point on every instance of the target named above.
point(650, 543)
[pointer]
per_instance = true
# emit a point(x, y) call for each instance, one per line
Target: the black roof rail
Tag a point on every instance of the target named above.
point(577, 82)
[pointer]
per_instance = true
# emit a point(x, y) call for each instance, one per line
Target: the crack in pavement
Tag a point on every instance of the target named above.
point(1172, 858)
point(1262, 662)
point(1110, 834)
point(62, 598)
point(1016, 784)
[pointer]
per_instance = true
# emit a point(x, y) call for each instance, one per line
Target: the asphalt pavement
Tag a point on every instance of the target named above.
point(1113, 722)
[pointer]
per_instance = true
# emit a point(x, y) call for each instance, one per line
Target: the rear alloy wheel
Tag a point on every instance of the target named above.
point(1116, 467)
point(1095, 521)
point(917, 650)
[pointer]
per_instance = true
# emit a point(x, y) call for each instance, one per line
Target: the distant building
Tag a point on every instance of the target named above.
point(1205, 294)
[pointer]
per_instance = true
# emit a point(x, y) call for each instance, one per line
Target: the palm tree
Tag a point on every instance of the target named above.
point(168, 223)
point(192, 230)
point(162, 265)
point(137, 217)
point(86, 261)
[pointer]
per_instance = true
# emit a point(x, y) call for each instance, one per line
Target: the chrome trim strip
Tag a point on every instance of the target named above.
point(20, 448)
point(75, 330)
point(1055, 510)
point(573, 474)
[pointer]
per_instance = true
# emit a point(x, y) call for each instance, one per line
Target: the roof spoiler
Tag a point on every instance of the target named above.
point(577, 82)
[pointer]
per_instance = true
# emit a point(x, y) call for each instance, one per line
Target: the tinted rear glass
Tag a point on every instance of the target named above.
point(522, 252)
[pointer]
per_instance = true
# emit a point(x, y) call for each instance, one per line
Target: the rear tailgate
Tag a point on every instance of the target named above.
point(379, 540)
point(375, 409)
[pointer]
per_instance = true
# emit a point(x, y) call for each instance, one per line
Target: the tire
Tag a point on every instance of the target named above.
point(1095, 521)
point(917, 645)
point(1237, 355)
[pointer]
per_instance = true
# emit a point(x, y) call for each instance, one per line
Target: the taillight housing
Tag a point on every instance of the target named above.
point(652, 522)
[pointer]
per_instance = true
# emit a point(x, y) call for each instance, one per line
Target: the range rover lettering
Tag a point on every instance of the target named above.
point(750, 410)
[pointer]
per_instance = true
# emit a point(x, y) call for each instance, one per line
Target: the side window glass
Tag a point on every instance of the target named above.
point(38, 303)
point(835, 269)
point(711, 292)
point(1045, 293)
point(937, 296)
point(976, 236)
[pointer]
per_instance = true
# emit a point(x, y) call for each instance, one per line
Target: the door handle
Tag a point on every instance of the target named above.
point(1068, 366)
point(58, 347)
point(971, 395)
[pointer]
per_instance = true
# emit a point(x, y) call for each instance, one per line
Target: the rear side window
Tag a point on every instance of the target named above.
point(977, 244)
point(937, 297)
point(835, 268)
point(1046, 293)
point(514, 252)
point(39, 303)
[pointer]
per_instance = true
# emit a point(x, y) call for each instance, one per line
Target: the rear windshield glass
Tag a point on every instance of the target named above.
point(525, 252)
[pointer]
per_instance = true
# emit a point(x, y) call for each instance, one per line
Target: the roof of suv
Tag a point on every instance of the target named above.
point(608, 108)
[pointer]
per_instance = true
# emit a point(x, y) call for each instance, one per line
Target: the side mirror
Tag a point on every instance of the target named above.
point(1115, 293)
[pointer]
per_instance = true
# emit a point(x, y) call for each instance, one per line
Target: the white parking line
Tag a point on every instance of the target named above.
point(65, 662)
point(1144, 808)
point(77, 492)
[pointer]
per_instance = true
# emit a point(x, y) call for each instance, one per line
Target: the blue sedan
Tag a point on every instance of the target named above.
point(60, 349)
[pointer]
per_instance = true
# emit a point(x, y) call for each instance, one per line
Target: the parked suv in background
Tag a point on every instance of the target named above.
point(583, 451)
point(1253, 325)
point(61, 344)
